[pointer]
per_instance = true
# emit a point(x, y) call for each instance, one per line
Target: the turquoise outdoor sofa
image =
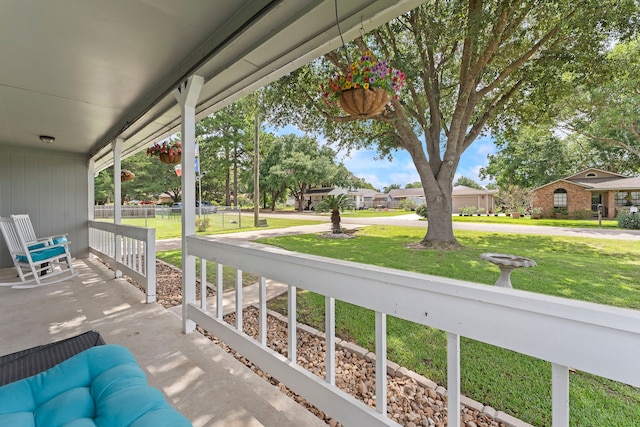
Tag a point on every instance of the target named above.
point(102, 386)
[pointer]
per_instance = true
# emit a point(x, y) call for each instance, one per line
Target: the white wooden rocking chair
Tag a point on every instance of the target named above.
point(32, 260)
point(23, 223)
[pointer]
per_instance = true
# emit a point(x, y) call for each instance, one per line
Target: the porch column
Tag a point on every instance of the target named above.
point(116, 146)
point(91, 189)
point(187, 96)
point(611, 204)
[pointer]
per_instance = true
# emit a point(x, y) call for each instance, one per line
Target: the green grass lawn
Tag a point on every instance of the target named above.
point(526, 220)
point(174, 258)
point(601, 271)
point(168, 228)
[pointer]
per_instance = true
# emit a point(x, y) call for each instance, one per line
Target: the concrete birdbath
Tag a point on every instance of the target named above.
point(507, 263)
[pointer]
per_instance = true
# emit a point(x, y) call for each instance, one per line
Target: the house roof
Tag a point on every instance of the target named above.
point(618, 184)
point(323, 190)
point(89, 71)
point(463, 190)
point(363, 192)
point(600, 173)
point(406, 192)
point(612, 181)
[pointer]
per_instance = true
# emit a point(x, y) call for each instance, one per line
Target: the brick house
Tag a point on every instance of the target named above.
point(580, 194)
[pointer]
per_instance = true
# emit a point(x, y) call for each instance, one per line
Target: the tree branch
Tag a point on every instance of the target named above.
point(508, 70)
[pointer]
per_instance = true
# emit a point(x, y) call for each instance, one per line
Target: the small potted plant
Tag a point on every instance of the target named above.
point(169, 152)
point(536, 212)
point(366, 87)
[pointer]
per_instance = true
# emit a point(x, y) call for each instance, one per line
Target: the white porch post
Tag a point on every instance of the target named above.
point(91, 189)
point(116, 146)
point(187, 96)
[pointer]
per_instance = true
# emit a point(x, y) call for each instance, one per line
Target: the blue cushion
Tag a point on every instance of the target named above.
point(56, 241)
point(42, 254)
point(102, 386)
point(59, 240)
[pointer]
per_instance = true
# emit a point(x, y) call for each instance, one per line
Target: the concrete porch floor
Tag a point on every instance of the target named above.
point(199, 379)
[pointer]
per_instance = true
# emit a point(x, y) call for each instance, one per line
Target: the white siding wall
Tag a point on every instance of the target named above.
point(52, 188)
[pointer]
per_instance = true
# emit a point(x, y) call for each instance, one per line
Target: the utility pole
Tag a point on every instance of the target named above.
point(256, 171)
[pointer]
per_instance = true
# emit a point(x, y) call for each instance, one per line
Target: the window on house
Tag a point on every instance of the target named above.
point(560, 198)
point(627, 198)
point(591, 175)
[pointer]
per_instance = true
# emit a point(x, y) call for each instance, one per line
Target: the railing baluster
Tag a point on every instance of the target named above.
point(291, 309)
point(453, 379)
point(262, 303)
point(203, 284)
point(239, 300)
point(381, 362)
point(219, 292)
point(560, 395)
point(140, 256)
point(330, 339)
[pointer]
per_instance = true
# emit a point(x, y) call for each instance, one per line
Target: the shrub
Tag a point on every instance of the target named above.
point(202, 223)
point(422, 210)
point(407, 205)
point(467, 210)
point(629, 220)
point(582, 214)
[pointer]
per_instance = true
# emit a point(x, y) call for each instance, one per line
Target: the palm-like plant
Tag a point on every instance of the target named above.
point(334, 204)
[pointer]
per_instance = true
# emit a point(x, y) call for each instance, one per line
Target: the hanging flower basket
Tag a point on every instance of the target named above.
point(169, 152)
point(170, 159)
point(363, 102)
point(366, 87)
point(126, 175)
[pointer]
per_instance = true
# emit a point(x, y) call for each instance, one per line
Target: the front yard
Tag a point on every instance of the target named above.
point(596, 270)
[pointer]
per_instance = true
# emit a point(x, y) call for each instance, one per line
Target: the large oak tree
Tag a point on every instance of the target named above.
point(470, 65)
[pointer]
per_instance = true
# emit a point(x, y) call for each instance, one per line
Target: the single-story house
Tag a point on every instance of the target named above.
point(585, 191)
point(462, 196)
point(415, 195)
point(467, 196)
point(360, 198)
point(314, 196)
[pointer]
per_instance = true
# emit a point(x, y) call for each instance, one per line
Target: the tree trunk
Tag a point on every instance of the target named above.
point(335, 222)
point(439, 205)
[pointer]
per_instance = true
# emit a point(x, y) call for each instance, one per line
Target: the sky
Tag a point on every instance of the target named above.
point(401, 171)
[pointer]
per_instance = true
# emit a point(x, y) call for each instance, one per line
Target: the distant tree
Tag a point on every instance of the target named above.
point(356, 182)
point(605, 107)
point(334, 204)
point(298, 163)
point(416, 184)
point(390, 187)
point(103, 187)
point(467, 182)
point(532, 156)
point(513, 197)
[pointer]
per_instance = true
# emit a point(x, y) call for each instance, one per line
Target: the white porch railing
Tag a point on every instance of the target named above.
point(129, 249)
point(601, 340)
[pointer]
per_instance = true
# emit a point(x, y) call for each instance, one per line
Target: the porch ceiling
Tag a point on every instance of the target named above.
point(88, 71)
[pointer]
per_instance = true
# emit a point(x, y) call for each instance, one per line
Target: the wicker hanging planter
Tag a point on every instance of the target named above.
point(170, 159)
point(362, 102)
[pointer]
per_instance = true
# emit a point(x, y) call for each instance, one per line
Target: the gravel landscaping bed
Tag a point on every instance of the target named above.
point(411, 402)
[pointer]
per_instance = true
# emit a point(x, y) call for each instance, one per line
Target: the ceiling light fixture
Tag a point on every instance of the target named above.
point(47, 139)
